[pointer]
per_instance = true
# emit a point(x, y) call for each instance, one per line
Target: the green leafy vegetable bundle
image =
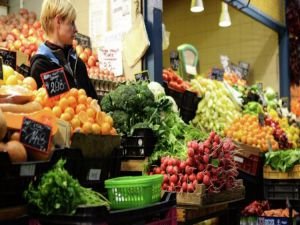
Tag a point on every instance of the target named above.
point(59, 193)
point(283, 160)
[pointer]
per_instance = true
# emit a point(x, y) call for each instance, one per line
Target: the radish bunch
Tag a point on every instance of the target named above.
point(210, 163)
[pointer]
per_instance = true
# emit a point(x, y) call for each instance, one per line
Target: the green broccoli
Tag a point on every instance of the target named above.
point(106, 103)
point(121, 121)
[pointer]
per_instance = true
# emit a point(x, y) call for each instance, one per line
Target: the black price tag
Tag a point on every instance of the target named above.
point(1, 69)
point(142, 76)
point(9, 58)
point(35, 135)
point(83, 40)
point(24, 70)
point(217, 74)
point(285, 102)
point(261, 119)
point(55, 82)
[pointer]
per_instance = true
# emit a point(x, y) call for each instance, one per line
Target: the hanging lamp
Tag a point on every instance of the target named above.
point(197, 6)
point(224, 20)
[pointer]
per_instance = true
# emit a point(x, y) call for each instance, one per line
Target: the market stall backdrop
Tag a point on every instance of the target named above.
point(245, 40)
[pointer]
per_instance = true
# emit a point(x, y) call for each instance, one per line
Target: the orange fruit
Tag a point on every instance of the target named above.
point(66, 116)
point(47, 108)
point(72, 101)
point(100, 116)
point(79, 108)
point(89, 100)
point(19, 76)
point(87, 128)
point(75, 122)
point(15, 136)
point(73, 92)
point(108, 119)
point(63, 103)
point(70, 110)
point(91, 120)
point(105, 128)
point(113, 131)
point(82, 99)
point(83, 117)
point(96, 129)
point(91, 112)
point(57, 111)
point(30, 82)
point(81, 92)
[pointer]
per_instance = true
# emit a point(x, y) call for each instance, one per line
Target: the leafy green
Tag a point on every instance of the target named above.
point(283, 160)
point(59, 193)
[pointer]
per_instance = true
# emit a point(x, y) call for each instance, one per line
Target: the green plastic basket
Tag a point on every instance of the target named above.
point(133, 191)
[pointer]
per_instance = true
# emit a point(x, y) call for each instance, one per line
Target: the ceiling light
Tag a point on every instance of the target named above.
point(224, 20)
point(197, 6)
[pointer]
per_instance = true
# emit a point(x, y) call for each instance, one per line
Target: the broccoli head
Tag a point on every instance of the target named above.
point(106, 103)
point(121, 121)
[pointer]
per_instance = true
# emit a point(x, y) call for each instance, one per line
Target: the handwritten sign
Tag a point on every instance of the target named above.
point(35, 135)
point(110, 58)
point(55, 82)
point(9, 58)
point(83, 40)
point(1, 69)
point(144, 75)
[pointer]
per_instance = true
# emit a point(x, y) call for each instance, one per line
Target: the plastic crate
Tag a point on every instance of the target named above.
point(282, 189)
point(101, 159)
point(15, 177)
point(249, 160)
point(133, 191)
point(139, 145)
point(170, 219)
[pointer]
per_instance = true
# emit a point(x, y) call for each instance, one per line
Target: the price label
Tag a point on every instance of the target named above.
point(27, 170)
point(55, 82)
point(285, 102)
point(94, 174)
point(261, 119)
point(9, 58)
point(1, 69)
point(238, 159)
point(217, 74)
point(83, 40)
point(24, 70)
point(35, 135)
point(144, 75)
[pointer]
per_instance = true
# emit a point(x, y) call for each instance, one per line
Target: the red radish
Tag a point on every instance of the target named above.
point(173, 179)
point(169, 169)
point(192, 177)
point(200, 177)
point(184, 177)
point(190, 161)
point(182, 165)
point(171, 189)
point(163, 167)
point(166, 178)
point(175, 169)
point(184, 186)
point(165, 186)
point(206, 158)
point(170, 162)
point(206, 180)
point(189, 144)
point(200, 148)
point(217, 139)
point(190, 187)
point(212, 134)
point(201, 167)
point(206, 144)
point(158, 170)
point(195, 182)
point(188, 170)
point(191, 152)
point(194, 145)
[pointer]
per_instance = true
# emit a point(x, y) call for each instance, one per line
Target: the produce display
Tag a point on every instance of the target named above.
point(217, 109)
point(283, 160)
point(209, 162)
point(59, 193)
point(174, 81)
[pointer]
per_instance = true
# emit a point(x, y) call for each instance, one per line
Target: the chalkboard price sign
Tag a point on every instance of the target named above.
point(83, 40)
point(35, 135)
point(1, 69)
point(142, 76)
point(55, 82)
point(9, 58)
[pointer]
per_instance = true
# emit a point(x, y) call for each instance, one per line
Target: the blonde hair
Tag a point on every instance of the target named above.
point(53, 8)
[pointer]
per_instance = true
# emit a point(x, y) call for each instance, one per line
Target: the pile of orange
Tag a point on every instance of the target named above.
point(83, 112)
point(247, 130)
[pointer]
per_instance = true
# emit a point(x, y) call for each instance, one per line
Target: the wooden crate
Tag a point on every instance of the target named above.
point(200, 198)
point(269, 173)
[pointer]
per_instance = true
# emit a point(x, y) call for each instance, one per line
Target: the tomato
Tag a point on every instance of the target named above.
point(165, 77)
